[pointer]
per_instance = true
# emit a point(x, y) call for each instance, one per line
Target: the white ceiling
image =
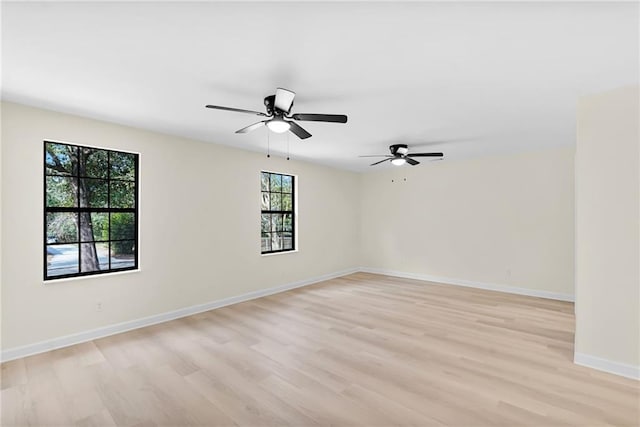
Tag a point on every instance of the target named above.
point(488, 77)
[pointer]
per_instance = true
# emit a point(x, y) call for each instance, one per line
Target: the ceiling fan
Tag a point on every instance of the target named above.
point(279, 117)
point(400, 155)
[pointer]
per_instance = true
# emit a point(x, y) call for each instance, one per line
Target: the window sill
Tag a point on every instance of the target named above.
point(91, 276)
point(280, 253)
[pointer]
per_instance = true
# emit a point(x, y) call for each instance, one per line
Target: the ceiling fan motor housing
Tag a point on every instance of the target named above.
point(269, 103)
point(399, 149)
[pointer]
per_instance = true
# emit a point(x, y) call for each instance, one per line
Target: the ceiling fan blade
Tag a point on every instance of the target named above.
point(237, 110)
point(332, 118)
point(411, 161)
point(378, 155)
point(251, 127)
point(425, 155)
point(381, 161)
point(296, 129)
point(284, 99)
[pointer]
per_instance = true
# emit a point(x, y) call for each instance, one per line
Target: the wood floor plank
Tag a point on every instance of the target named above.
point(363, 349)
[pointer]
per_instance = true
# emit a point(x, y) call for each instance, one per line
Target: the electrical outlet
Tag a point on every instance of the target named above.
point(99, 306)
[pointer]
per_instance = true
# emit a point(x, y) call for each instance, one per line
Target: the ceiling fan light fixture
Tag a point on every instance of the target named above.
point(278, 125)
point(398, 161)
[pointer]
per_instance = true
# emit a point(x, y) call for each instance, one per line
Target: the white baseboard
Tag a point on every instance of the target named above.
point(65, 341)
point(605, 365)
point(472, 284)
point(616, 368)
point(589, 361)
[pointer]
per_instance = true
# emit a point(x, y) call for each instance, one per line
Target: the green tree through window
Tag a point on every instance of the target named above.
point(91, 210)
point(277, 222)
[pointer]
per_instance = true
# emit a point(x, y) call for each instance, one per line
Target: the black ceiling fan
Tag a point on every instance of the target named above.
point(279, 117)
point(400, 155)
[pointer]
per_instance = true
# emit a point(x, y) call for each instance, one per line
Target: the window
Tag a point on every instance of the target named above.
point(90, 210)
point(278, 221)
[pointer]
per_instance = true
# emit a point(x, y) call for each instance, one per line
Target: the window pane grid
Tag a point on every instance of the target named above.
point(277, 221)
point(94, 244)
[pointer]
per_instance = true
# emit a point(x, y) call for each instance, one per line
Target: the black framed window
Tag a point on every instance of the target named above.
point(90, 210)
point(278, 212)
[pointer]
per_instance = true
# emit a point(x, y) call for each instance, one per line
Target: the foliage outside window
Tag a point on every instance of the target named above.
point(90, 212)
point(277, 224)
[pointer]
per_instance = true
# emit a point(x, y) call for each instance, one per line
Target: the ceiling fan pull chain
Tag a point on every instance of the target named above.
point(287, 146)
point(268, 145)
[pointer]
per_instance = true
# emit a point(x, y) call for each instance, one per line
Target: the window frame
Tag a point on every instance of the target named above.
point(78, 210)
point(292, 212)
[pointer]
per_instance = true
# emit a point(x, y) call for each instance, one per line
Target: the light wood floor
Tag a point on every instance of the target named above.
point(359, 350)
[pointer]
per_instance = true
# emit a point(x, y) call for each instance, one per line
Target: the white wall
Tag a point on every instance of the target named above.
point(199, 227)
point(608, 231)
point(505, 221)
